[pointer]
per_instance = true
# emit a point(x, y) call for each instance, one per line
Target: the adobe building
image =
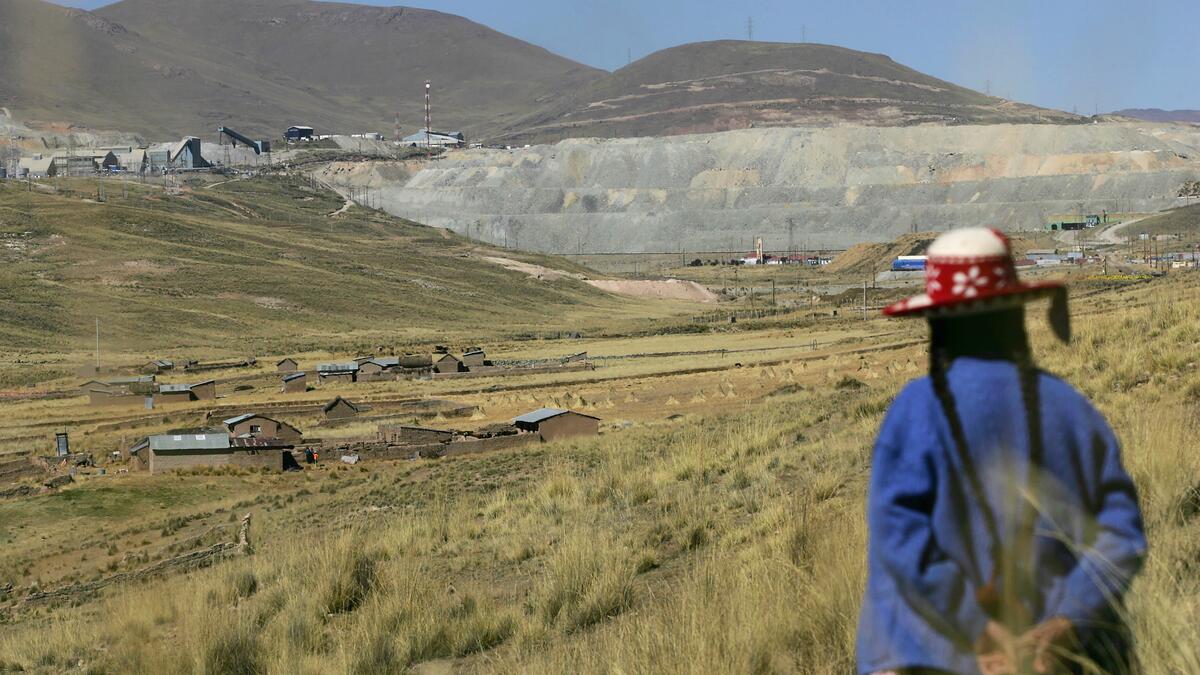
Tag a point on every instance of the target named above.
point(474, 358)
point(172, 452)
point(295, 383)
point(448, 363)
point(288, 365)
point(184, 393)
point(253, 425)
point(339, 408)
point(338, 372)
point(375, 369)
point(169, 394)
point(413, 435)
point(552, 424)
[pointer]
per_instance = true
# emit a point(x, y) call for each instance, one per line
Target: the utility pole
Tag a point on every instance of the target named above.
point(428, 114)
point(864, 301)
point(772, 292)
point(97, 345)
point(803, 33)
point(750, 29)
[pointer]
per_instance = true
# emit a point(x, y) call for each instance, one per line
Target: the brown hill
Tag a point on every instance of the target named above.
point(717, 86)
point(167, 67)
point(1160, 115)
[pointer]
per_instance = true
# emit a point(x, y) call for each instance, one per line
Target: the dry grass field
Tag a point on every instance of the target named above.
point(715, 526)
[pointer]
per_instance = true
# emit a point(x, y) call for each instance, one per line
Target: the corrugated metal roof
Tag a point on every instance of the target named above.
point(543, 414)
point(346, 367)
point(293, 376)
point(173, 388)
point(217, 441)
point(333, 404)
point(386, 361)
point(540, 415)
point(474, 352)
point(239, 419)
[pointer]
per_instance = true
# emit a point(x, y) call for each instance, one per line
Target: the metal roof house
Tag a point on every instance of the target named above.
point(254, 425)
point(338, 372)
point(287, 365)
point(552, 424)
point(182, 393)
point(294, 383)
point(171, 452)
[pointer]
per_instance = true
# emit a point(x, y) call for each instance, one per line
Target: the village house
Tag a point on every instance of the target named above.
point(288, 365)
point(552, 424)
point(139, 384)
point(171, 452)
point(183, 393)
point(253, 425)
point(374, 369)
point(340, 408)
point(295, 383)
point(338, 372)
point(475, 357)
point(158, 366)
point(448, 363)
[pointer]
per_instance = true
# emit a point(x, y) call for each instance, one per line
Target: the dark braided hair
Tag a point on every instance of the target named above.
point(994, 335)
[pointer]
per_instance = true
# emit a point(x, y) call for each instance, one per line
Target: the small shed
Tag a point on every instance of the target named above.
point(552, 424)
point(475, 357)
point(294, 383)
point(288, 365)
point(253, 425)
point(205, 391)
point(448, 363)
point(159, 366)
point(340, 408)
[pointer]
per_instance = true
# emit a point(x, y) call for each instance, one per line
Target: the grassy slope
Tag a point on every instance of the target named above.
point(732, 543)
point(257, 267)
point(1183, 221)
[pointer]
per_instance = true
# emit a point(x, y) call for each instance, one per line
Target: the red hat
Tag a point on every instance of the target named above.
point(971, 271)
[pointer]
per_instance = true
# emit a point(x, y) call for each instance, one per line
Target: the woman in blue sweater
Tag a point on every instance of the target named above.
point(1003, 527)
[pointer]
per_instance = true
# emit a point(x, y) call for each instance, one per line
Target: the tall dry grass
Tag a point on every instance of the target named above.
point(727, 544)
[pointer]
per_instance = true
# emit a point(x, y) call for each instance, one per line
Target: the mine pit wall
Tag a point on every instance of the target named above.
point(800, 187)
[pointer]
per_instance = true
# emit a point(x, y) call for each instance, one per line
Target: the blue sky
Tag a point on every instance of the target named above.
point(1089, 55)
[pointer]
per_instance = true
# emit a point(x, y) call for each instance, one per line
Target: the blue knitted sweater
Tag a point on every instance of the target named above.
point(930, 549)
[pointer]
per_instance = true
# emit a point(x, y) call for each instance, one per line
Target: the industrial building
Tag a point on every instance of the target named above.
point(552, 424)
point(294, 134)
point(436, 139)
point(184, 155)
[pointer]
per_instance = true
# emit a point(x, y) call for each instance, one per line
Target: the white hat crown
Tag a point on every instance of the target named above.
point(970, 242)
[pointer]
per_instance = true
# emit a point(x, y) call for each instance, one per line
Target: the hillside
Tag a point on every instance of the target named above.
point(252, 267)
point(717, 86)
point(174, 67)
point(1160, 115)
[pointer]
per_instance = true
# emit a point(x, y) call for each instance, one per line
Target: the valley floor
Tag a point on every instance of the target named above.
point(715, 525)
